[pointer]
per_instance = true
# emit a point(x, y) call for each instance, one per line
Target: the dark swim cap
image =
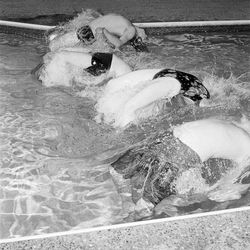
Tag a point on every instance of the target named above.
point(85, 34)
point(101, 62)
point(138, 44)
point(191, 86)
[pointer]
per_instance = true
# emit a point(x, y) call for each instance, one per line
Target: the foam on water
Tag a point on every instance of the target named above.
point(51, 176)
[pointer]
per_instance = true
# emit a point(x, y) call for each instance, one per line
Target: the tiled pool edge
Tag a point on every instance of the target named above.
point(216, 231)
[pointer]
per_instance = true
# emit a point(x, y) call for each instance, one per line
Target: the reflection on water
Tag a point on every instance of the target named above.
point(51, 149)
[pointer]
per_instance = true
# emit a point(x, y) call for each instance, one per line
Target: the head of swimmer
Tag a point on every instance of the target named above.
point(100, 63)
point(85, 35)
point(138, 44)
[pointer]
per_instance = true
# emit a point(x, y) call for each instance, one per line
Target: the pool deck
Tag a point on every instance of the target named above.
point(223, 231)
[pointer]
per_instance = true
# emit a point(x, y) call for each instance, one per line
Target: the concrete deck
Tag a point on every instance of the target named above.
point(224, 231)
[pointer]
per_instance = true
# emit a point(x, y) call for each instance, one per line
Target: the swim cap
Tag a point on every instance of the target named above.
point(191, 86)
point(138, 44)
point(85, 34)
point(101, 62)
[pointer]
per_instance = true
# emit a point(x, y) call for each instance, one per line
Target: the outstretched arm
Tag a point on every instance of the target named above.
point(160, 88)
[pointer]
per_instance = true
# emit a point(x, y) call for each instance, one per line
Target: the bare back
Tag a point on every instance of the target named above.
point(115, 24)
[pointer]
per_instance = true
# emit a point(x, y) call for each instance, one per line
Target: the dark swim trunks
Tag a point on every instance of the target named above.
point(85, 34)
point(191, 86)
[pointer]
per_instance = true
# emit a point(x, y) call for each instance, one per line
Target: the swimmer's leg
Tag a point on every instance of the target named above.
point(160, 88)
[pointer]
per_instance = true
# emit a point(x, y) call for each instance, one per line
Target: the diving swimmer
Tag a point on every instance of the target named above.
point(126, 96)
point(117, 29)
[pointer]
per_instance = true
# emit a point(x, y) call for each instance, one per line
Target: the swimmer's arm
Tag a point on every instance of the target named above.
point(118, 42)
point(66, 40)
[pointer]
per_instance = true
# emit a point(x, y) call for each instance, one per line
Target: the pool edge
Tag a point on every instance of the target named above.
point(197, 231)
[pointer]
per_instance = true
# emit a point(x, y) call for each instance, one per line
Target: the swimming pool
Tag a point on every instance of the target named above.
point(52, 178)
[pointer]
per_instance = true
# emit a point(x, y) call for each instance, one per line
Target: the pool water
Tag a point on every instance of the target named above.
point(53, 171)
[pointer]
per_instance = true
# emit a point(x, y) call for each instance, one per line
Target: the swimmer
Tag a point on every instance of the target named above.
point(125, 96)
point(56, 66)
point(117, 29)
point(214, 138)
point(159, 160)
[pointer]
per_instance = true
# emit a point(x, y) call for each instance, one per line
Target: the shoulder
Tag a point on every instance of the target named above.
point(114, 17)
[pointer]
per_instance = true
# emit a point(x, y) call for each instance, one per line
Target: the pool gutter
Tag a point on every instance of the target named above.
point(37, 30)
